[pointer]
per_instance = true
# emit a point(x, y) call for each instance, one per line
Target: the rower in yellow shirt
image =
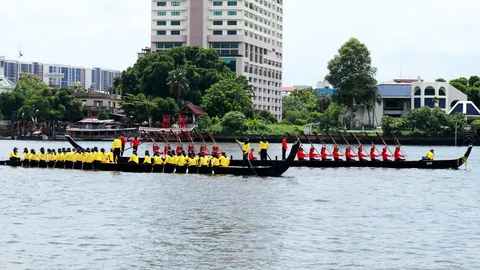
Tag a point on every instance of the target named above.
point(33, 158)
point(181, 161)
point(105, 156)
point(158, 159)
point(202, 160)
point(97, 156)
point(147, 159)
point(214, 161)
point(192, 160)
point(245, 148)
point(224, 160)
point(88, 158)
point(26, 155)
point(133, 158)
point(170, 158)
point(51, 158)
point(14, 156)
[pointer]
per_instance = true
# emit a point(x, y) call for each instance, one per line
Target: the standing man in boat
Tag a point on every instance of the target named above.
point(134, 144)
point(246, 149)
point(14, 156)
point(123, 142)
point(284, 147)
point(264, 146)
point(117, 148)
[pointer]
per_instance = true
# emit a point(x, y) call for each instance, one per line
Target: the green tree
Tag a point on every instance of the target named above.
point(314, 117)
point(10, 102)
point(266, 116)
point(137, 106)
point(29, 85)
point(227, 96)
point(473, 80)
point(178, 83)
point(460, 83)
point(352, 74)
point(204, 122)
point(256, 126)
point(234, 121)
point(331, 117)
point(323, 102)
point(440, 80)
point(102, 115)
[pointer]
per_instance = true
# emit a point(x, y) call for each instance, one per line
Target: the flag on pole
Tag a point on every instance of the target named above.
point(20, 54)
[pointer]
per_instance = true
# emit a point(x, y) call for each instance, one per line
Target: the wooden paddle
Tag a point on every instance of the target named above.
point(245, 155)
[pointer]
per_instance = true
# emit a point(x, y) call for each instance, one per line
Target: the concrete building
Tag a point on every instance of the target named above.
point(96, 101)
point(55, 75)
point(5, 84)
point(248, 35)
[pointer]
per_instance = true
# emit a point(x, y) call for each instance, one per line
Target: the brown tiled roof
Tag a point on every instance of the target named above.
point(197, 110)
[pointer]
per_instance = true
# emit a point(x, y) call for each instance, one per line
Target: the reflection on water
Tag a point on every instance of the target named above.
point(309, 219)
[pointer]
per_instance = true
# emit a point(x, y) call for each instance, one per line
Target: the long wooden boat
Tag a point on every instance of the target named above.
point(275, 170)
point(406, 164)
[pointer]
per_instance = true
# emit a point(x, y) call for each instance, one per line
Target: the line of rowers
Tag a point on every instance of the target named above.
point(349, 155)
point(94, 155)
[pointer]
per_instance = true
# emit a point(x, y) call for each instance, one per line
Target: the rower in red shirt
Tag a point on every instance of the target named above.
point(348, 154)
point(124, 141)
point(251, 155)
point(135, 143)
point(216, 150)
point(373, 156)
point(397, 155)
point(312, 155)
point(167, 148)
point(385, 155)
point(203, 149)
point(324, 153)
point(336, 153)
point(191, 148)
point(179, 149)
point(301, 154)
point(360, 153)
point(284, 147)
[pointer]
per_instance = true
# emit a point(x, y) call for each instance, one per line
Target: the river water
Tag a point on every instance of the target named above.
point(308, 219)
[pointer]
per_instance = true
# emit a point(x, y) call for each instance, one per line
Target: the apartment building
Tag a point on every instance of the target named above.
point(247, 34)
point(55, 75)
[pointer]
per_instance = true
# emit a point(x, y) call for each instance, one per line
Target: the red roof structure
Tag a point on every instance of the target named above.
point(191, 109)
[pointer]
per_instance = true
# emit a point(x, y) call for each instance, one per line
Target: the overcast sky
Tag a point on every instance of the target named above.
point(427, 38)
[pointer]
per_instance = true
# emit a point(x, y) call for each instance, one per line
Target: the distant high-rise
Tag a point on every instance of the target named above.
point(248, 36)
point(60, 75)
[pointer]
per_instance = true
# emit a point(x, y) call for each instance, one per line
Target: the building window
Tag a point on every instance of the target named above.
point(161, 13)
point(217, 32)
point(429, 91)
point(217, 22)
point(217, 13)
point(232, 22)
point(175, 13)
point(175, 4)
point(417, 91)
point(167, 45)
point(161, 4)
point(441, 91)
point(231, 32)
point(161, 33)
point(176, 23)
point(232, 13)
point(161, 23)
point(232, 3)
point(217, 3)
point(175, 32)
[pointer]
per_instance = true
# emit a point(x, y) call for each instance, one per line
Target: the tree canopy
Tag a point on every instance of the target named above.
point(200, 68)
point(470, 87)
point(225, 96)
point(352, 74)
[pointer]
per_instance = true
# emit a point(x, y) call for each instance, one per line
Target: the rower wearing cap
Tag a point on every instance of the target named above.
point(192, 159)
point(42, 156)
point(133, 158)
point(430, 154)
point(181, 161)
point(361, 154)
point(88, 156)
point(14, 156)
point(147, 159)
point(301, 154)
point(105, 158)
point(51, 158)
point(202, 160)
point(324, 153)
point(97, 156)
point(215, 162)
point(246, 149)
point(336, 153)
point(157, 159)
point(264, 146)
point(33, 158)
point(60, 156)
point(224, 161)
point(70, 158)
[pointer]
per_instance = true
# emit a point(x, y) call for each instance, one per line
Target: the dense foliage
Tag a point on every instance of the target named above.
point(352, 74)
point(33, 99)
point(226, 96)
point(470, 87)
point(424, 120)
point(142, 109)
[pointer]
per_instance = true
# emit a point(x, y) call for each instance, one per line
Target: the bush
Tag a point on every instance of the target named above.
point(300, 122)
point(234, 121)
point(315, 117)
point(256, 126)
point(476, 124)
point(266, 116)
point(102, 115)
point(291, 116)
point(389, 124)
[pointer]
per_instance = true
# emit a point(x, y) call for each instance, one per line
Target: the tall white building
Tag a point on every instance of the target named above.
point(247, 34)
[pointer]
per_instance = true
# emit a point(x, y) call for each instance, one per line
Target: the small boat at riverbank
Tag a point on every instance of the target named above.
point(275, 170)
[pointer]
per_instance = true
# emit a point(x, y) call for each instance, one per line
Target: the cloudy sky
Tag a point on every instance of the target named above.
point(427, 38)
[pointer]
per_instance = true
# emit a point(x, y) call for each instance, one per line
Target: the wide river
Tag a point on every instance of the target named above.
point(307, 219)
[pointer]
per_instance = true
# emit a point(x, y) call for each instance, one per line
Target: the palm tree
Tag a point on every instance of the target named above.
point(178, 82)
